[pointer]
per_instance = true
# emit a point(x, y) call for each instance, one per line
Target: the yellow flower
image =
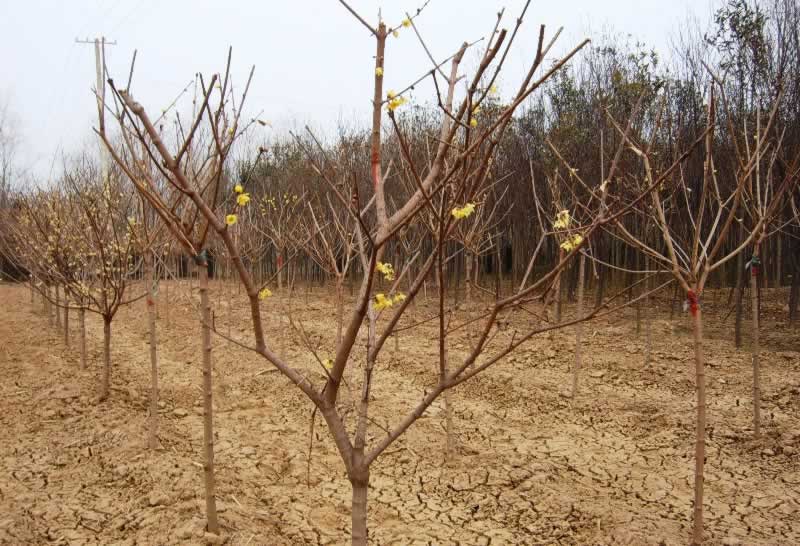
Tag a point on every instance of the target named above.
point(463, 212)
point(230, 219)
point(406, 22)
point(399, 297)
point(242, 199)
point(395, 34)
point(386, 269)
point(379, 71)
point(264, 293)
point(327, 364)
point(391, 94)
point(473, 122)
point(382, 302)
point(238, 188)
point(562, 220)
point(572, 242)
point(396, 103)
point(493, 90)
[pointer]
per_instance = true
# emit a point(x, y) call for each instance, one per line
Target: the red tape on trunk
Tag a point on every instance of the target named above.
point(693, 305)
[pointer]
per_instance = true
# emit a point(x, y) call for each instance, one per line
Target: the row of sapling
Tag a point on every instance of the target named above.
point(184, 188)
point(448, 187)
point(713, 210)
point(82, 238)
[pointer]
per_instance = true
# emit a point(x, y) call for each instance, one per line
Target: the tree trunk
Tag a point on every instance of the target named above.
point(601, 272)
point(498, 280)
point(700, 432)
point(151, 325)
point(105, 385)
point(360, 484)
point(737, 328)
point(47, 306)
point(208, 415)
point(166, 299)
point(280, 270)
point(648, 322)
point(339, 310)
point(82, 321)
point(66, 321)
point(449, 447)
point(754, 344)
point(578, 328)
point(673, 302)
point(468, 278)
point(57, 309)
point(557, 288)
point(794, 291)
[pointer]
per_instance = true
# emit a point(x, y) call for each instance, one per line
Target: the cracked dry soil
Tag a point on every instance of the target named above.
point(532, 466)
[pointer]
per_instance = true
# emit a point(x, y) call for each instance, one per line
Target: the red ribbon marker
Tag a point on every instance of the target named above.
point(693, 305)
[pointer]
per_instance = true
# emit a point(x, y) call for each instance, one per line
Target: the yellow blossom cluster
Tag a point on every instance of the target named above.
point(264, 293)
point(572, 242)
point(562, 220)
point(460, 213)
point(395, 102)
point(386, 269)
point(384, 302)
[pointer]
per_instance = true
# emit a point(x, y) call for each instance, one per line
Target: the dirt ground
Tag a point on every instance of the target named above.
point(533, 467)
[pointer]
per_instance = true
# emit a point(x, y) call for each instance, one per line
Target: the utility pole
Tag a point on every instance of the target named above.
point(100, 92)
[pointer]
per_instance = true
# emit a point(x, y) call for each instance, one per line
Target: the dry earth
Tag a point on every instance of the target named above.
point(533, 467)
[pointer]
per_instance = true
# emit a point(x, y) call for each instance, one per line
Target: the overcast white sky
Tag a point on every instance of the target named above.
point(313, 60)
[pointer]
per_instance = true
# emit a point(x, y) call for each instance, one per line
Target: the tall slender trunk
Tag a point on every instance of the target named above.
point(166, 299)
point(557, 287)
point(700, 431)
point(468, 278)
point(673, 302)
point(448, 408)
point(359, 480)
point(601, 273)
point(66, 321)
point(448, 417)
point(339, 309)
point(737, 328)
point(82, 321)
point(794, 290)
point(208, 411)
point(57, 307)
point(755, 341)
point(578, 328)
point(151, 326)
point(47, 306)
point(105, 384)
point(280, 270)
point(498, 281)
point(648, 322)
